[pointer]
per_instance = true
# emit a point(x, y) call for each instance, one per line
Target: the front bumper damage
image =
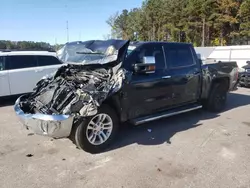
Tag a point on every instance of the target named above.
point(76, 90)
point(56, 126)
point(56, 103)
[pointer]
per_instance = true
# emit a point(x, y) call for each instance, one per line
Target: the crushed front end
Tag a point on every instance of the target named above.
point(74, 91)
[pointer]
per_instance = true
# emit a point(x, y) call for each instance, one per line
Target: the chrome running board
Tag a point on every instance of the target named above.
point(146, 119)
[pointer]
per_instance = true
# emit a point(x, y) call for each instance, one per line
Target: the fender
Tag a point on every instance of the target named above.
point(117, 99)
point(212, 75)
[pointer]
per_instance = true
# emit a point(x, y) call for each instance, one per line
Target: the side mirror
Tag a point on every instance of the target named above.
point(147, 66)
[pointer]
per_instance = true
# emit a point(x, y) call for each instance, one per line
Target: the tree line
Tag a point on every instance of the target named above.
point(201, 22)
point(27, 45)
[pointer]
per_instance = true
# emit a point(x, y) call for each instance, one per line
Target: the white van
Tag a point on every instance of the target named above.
point(239, 54)
point(21, 70)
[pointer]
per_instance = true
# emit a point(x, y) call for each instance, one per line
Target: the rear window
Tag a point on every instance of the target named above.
point(47, 60)
point(20, 62)
point(179, 56)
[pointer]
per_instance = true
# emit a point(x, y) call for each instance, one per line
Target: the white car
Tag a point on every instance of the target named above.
point(21, 70)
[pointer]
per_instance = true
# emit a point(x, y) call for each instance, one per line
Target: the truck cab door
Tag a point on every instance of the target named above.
point(146, 93)
point(184, 72)
point(4, 78)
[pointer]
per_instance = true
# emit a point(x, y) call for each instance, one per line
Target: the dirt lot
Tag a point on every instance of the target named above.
point(197, 149)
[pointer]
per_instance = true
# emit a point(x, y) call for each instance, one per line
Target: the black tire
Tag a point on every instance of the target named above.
point(216, 101)
point(80, 137)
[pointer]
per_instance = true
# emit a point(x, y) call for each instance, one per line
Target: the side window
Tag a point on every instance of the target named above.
point(137, 55)
point(2, 64)
point(19, 62)
point(179, 56)
point(47, 60)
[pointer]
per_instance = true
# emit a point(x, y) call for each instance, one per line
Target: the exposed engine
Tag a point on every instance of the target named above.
point(74, 89)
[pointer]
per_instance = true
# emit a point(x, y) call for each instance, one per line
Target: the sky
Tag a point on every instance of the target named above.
point(46, 20)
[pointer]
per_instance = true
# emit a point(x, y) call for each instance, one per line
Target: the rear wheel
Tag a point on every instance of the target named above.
point(217, 98)
point(96, 133)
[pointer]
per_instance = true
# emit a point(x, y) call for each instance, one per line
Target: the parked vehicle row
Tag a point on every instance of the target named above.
point(107, 85)
point(21, 70)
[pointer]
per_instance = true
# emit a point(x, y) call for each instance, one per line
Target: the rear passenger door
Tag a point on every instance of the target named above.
point(47, 65)
point(4, 78)
point(184, 72)
point(22, 73)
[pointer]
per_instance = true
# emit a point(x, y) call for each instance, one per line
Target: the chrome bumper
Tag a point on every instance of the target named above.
point(56, 126)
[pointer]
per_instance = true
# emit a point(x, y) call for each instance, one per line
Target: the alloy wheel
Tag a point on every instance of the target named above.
point(99, 129)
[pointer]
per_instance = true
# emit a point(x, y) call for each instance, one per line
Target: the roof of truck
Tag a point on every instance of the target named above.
point(135, 43)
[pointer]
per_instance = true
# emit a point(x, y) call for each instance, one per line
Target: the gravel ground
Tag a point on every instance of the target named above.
point(197, 149)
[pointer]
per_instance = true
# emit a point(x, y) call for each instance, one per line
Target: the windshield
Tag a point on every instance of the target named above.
point(91, 52)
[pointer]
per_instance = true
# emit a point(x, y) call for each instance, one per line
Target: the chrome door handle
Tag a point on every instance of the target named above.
point(166, 77)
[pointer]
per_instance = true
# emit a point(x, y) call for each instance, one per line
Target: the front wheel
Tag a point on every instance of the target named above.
point(96, 133)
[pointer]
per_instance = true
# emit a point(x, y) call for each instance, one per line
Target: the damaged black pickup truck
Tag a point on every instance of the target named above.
point(105, 83)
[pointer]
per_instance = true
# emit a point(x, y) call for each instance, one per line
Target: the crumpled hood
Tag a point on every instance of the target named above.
point(94, 52)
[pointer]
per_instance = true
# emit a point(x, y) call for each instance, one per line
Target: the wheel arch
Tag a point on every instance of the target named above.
point(114, 103)
point(223, 85)
point(209, 85)
point(224, 81)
